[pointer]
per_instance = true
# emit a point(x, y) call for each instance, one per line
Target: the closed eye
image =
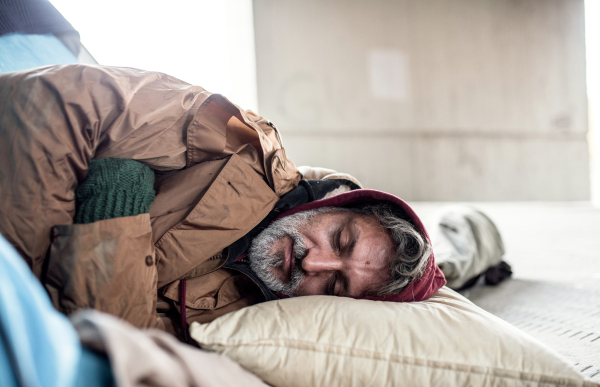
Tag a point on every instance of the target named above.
point(338, 242)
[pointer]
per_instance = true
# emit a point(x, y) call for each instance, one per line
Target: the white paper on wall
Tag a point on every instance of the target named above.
point(388, 73)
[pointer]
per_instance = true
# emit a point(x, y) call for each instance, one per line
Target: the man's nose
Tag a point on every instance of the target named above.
point(318, 261)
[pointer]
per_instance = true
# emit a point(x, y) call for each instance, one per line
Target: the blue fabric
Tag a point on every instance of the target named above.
point(40, 346)
point(7, 375)
point(21, 51)
point(93, 371)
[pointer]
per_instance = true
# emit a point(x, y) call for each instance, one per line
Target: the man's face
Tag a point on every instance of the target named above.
point(324, 251)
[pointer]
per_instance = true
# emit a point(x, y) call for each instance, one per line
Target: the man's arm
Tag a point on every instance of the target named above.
point(106, 260)
point(56, 119)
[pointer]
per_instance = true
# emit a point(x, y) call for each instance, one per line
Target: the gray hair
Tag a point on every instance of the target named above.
point(413, 248)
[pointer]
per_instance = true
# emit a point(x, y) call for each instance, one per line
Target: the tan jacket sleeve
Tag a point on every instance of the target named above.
point(55, 119)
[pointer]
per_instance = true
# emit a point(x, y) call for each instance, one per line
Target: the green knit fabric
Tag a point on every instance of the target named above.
point(114, 188)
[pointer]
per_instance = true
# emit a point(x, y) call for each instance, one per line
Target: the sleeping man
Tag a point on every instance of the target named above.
point(142, 196)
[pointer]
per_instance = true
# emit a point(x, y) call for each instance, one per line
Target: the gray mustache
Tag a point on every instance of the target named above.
point(300, 252)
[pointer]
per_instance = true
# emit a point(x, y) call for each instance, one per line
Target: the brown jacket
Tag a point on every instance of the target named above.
point(220, 170)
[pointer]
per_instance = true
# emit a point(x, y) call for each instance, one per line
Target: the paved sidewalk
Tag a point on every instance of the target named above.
point(554, 295)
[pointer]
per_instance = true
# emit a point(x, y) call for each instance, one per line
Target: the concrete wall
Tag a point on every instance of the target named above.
point(431, 99)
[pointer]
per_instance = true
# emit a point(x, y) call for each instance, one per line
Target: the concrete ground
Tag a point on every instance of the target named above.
point(554, 294)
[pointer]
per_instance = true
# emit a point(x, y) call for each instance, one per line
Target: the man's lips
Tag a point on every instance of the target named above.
point(289, 260)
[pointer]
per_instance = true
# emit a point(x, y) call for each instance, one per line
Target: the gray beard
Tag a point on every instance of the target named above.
point(263, 261)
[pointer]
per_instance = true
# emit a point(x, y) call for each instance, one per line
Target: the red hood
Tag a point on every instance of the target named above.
point(418, 290)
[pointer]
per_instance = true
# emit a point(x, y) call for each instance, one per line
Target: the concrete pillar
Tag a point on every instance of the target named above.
point(431, 99)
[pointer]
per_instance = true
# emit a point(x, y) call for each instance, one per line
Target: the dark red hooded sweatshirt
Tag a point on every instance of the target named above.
point(418, 290)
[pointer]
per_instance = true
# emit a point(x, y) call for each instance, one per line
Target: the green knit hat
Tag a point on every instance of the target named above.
point(114, 188)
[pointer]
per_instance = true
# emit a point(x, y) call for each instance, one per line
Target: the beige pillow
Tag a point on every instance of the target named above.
point(330, 341)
